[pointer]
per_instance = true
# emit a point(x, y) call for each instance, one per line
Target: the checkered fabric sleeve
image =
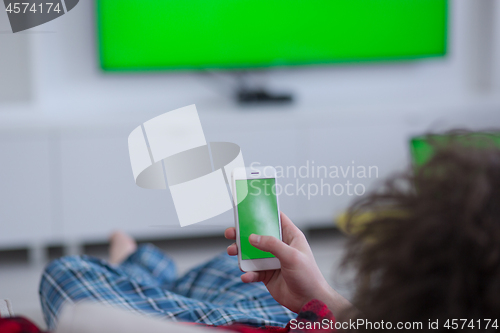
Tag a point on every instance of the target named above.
point(311, 319)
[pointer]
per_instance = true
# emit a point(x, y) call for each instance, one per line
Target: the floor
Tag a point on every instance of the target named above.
point(19, 280)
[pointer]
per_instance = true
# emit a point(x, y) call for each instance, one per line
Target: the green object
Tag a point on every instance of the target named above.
point(423, 147)
point(224, 34)
point(421, 150)
point(257, 214)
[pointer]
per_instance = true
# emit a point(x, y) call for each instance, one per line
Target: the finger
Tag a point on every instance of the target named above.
point(232, 250)
point(285, 219)
point(279, 249)
point(287, 225)
point(230, 233)
point(250, 277)
point(290, 231)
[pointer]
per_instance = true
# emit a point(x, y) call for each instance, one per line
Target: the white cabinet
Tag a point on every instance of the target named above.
point(262, 146)
point(75, 186)
point(361, 155)
point(98, 190)
point(25, 189)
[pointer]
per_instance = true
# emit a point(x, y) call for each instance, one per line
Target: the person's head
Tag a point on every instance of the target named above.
point(432, 250)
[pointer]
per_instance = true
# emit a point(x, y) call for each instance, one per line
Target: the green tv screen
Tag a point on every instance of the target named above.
point(139, 35)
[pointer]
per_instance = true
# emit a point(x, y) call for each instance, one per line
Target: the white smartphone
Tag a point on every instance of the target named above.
point(256, 212)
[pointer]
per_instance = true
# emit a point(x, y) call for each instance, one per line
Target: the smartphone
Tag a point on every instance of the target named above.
point(256, 212)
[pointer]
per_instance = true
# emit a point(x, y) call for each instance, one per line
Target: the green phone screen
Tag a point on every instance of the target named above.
point(257, 214)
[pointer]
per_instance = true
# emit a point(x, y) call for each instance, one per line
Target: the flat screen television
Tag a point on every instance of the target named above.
point(150, 35)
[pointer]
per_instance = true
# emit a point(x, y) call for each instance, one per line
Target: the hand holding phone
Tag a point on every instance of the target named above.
point(299, 279)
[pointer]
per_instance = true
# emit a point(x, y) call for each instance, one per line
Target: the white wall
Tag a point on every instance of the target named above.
point(65, 66)
point(15, 66)
point(83, 186)
point(496, 47)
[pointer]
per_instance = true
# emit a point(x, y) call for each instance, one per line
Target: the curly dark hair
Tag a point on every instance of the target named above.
point(432, 250)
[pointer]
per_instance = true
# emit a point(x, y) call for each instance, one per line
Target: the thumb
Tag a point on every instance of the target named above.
point(271, 244)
